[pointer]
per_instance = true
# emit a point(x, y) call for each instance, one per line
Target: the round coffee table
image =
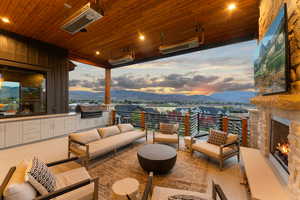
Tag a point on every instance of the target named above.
point(157, 158)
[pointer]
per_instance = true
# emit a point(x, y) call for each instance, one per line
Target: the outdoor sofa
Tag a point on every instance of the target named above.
point(96, 142)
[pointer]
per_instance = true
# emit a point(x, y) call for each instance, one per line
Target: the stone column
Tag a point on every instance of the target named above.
point(294, 161)
point(253, 123)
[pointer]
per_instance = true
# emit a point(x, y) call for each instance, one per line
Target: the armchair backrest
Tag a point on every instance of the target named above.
point(168, 128)
point(148, 189)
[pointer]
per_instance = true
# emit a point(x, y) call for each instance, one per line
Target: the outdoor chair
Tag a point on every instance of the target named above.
point(74, 184)
point(230, 148)
point(163, 193)
point(167, 133)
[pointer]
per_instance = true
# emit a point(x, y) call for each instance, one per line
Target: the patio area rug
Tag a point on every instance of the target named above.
point(188, 173)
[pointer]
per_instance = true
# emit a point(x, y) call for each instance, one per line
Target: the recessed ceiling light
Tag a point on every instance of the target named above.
point(97, 52)
point(5, 20)
point(231, 6)
point(142, 37)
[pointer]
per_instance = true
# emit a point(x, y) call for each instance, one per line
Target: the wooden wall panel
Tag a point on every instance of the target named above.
point(22, 52)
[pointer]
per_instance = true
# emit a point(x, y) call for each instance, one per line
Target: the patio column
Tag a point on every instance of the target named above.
point(107, 99)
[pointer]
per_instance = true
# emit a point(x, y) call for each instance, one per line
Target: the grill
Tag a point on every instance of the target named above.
point(90, 111)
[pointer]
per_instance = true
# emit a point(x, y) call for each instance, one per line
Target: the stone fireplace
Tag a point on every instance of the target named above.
point(275, 124)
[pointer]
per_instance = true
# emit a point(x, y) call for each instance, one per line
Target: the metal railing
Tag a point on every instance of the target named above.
point(190, 124)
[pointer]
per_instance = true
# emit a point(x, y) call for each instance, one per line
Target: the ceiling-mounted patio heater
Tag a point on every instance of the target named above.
point(121, 60)
point(82, 18)
point(186, 45)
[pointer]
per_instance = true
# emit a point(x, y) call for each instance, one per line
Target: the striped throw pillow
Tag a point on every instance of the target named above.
point(217, 137)
point(40, 177)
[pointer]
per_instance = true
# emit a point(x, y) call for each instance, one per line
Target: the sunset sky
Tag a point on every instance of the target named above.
point(227, 68)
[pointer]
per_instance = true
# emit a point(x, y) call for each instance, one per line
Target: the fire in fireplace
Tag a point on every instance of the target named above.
point(282, 151)
point(279, 145)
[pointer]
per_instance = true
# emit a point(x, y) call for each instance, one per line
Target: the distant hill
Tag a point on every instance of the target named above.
point(142, 96)
point(234, 96)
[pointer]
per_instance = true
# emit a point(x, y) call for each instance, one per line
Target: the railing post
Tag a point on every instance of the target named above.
point(225, 124)
point(113, 117)
point(198, 123)
point(187, 124)
point(244, 132)
point(143, 121)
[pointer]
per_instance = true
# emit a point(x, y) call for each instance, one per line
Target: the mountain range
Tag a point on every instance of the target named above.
point(227, 96)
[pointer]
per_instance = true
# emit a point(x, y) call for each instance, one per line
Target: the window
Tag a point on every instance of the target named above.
point(22, 92)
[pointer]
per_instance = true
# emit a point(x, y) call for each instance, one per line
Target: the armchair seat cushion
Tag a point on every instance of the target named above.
point(162, 193)
point(211, 150)
point(71, 177)
point(167, 138)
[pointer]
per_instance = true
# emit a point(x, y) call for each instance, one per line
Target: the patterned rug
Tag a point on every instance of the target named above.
point(188, 173)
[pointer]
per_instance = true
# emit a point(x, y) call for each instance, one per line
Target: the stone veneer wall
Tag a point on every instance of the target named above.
point(268, 11)
point(262, 117)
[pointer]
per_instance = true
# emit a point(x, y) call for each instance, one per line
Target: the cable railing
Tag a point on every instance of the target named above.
point(190, 124)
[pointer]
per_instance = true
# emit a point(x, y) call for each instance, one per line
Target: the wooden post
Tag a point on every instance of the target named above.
point(113, 117)
point(225, 124)
point(244, 132)
point(143, 120)
point(187, 124)
point(107, 99)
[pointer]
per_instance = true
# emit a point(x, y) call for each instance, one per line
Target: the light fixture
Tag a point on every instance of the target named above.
point(142, 37)
point(231, 7)
point(97, 52)
point(5, 20)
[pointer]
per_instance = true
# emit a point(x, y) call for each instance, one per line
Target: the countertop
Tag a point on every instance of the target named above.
point(46, 116)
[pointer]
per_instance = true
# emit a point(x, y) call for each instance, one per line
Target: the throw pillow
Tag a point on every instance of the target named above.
point(166, 128)
point(217, 137)
point(40, 177)
point(109, 131)
point(17, 188)
point(125, 127)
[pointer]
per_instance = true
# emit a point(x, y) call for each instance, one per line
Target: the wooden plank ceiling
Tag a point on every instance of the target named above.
point(124, 20)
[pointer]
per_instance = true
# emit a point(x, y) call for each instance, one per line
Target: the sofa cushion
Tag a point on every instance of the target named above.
point(86, 136)
point(163, 193)
point(165, 138)
point(111, 143)
point(231, 138)
point(125, 127)
point(40, 176)
point(74, 176)
point(109, 131)
point(210, 149)
point(217, 137)
point(17, 188)
point(168, 128)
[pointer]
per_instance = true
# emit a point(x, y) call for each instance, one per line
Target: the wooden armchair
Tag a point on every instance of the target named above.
point(220, 153)
point(86, 187)
point(167, 133)
point(163, 193)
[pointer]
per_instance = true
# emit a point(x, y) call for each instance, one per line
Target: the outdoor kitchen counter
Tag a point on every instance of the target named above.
point(16, 131)
point(43, 116)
